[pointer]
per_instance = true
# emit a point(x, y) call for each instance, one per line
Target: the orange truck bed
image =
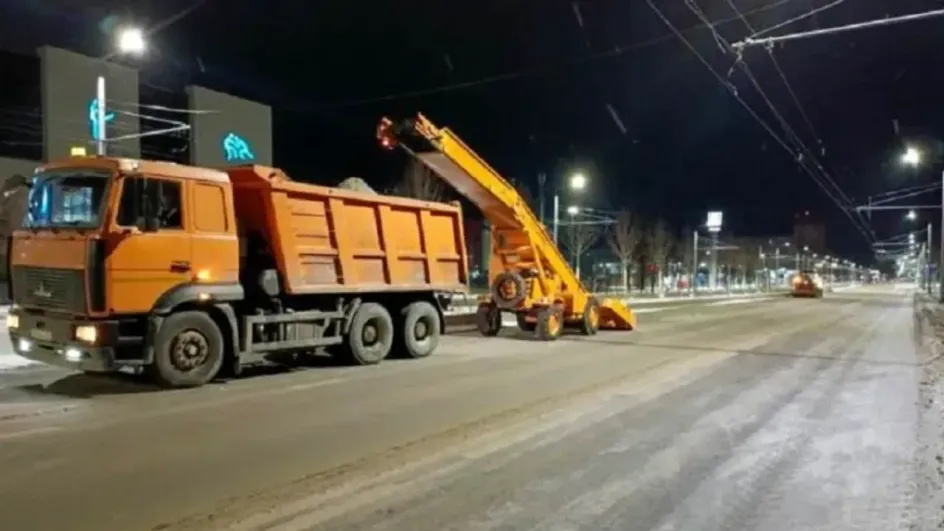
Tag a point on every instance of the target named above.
point(334, 240)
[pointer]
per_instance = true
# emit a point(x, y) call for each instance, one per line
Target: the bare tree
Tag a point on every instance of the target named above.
point(660, 243)
point(623, 238)
point(419, 182)
point(579, 238)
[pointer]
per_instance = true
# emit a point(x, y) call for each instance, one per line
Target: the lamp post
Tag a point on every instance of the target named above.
point(913, 157)
point(714, 223)
point(130, 41)
point(576, 182)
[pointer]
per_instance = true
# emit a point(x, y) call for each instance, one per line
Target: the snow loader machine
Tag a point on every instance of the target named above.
point(528, 274)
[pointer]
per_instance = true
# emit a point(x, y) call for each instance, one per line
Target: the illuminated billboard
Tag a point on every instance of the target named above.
point(226, 130)
point(70, 104)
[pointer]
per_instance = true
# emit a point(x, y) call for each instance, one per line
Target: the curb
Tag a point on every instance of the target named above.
point(924, 328)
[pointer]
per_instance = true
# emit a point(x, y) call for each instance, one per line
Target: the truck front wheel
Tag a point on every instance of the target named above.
point(370, 338)
point(188, 350)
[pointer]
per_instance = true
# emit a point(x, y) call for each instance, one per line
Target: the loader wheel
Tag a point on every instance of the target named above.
point(523, 324)
point(370, 338)
point(419, 331)
point(550, 324)
point(591, 318)
point(508, 290)
point(488, 320)
point(188, 351)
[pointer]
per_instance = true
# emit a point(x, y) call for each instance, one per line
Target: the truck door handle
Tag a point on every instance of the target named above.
point(180, 266)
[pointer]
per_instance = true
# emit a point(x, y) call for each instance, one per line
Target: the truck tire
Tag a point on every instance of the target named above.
point(509, 290)
point(488, 320)
point(550, 323)
point(370, 337)
point(420, 327)
point(523, 324)
point(590, 322)
point(188, 350)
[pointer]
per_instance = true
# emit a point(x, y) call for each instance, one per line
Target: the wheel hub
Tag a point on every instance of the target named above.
point(190, 350)
point(420, 330)
point(369, 336)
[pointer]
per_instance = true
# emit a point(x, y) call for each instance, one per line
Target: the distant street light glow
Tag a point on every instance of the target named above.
point(131, 41)
point(912, 215)
point(578, 181)
point(573, 211)
point(911, 157)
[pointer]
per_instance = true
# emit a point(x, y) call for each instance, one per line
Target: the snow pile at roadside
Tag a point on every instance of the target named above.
point(928, 495)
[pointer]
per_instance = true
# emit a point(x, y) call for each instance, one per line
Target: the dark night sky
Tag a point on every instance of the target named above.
point(529, 87)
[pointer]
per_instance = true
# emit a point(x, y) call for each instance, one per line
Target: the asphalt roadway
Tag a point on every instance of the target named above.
point(773, 414)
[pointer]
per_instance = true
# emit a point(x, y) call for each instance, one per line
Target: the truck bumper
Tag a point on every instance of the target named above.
point(50, 340)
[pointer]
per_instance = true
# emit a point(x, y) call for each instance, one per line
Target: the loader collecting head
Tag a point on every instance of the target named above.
point(530, 276)
point(615, 315)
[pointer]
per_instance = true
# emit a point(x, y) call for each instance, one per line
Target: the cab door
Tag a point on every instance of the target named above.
point(141, 265)
point(215, 243)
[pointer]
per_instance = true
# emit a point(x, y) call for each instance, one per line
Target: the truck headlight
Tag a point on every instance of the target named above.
point(86, 333)
point(13, 321)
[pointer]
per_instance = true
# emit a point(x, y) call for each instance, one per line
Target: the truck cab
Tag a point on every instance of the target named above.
point(105, 245)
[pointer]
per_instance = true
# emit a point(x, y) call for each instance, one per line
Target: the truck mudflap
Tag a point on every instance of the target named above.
point(52, 340)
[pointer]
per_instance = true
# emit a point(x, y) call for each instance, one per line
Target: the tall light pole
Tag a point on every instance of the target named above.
point(576, 182)
point(713, 223)
point(913, 157)
point(130, 41)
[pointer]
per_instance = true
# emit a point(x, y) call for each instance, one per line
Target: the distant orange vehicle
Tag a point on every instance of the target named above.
point(807, 284)
point(187, 271)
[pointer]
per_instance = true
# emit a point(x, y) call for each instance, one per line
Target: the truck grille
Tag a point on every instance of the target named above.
point(48, 288)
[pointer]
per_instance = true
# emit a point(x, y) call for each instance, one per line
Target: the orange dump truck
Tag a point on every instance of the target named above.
point(186, 271)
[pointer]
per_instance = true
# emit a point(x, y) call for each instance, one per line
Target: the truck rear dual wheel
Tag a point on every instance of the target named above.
point(419, 330)
point(188, 350)
point(370, 337)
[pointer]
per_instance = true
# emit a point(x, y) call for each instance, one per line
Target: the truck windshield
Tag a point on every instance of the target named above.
point(66, 198)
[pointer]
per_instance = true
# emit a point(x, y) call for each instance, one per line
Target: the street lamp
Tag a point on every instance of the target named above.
point(911, 157)
point(573, 210)
point(130, 41)
point(912, 215)
point(576, 182)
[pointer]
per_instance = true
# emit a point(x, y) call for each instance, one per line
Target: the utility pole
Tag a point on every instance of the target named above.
point(542, 180)
point(763, 267)
point(100, 116)
point(714, 260)
point(694, 262)
point(927, 260)
point(940, 260)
